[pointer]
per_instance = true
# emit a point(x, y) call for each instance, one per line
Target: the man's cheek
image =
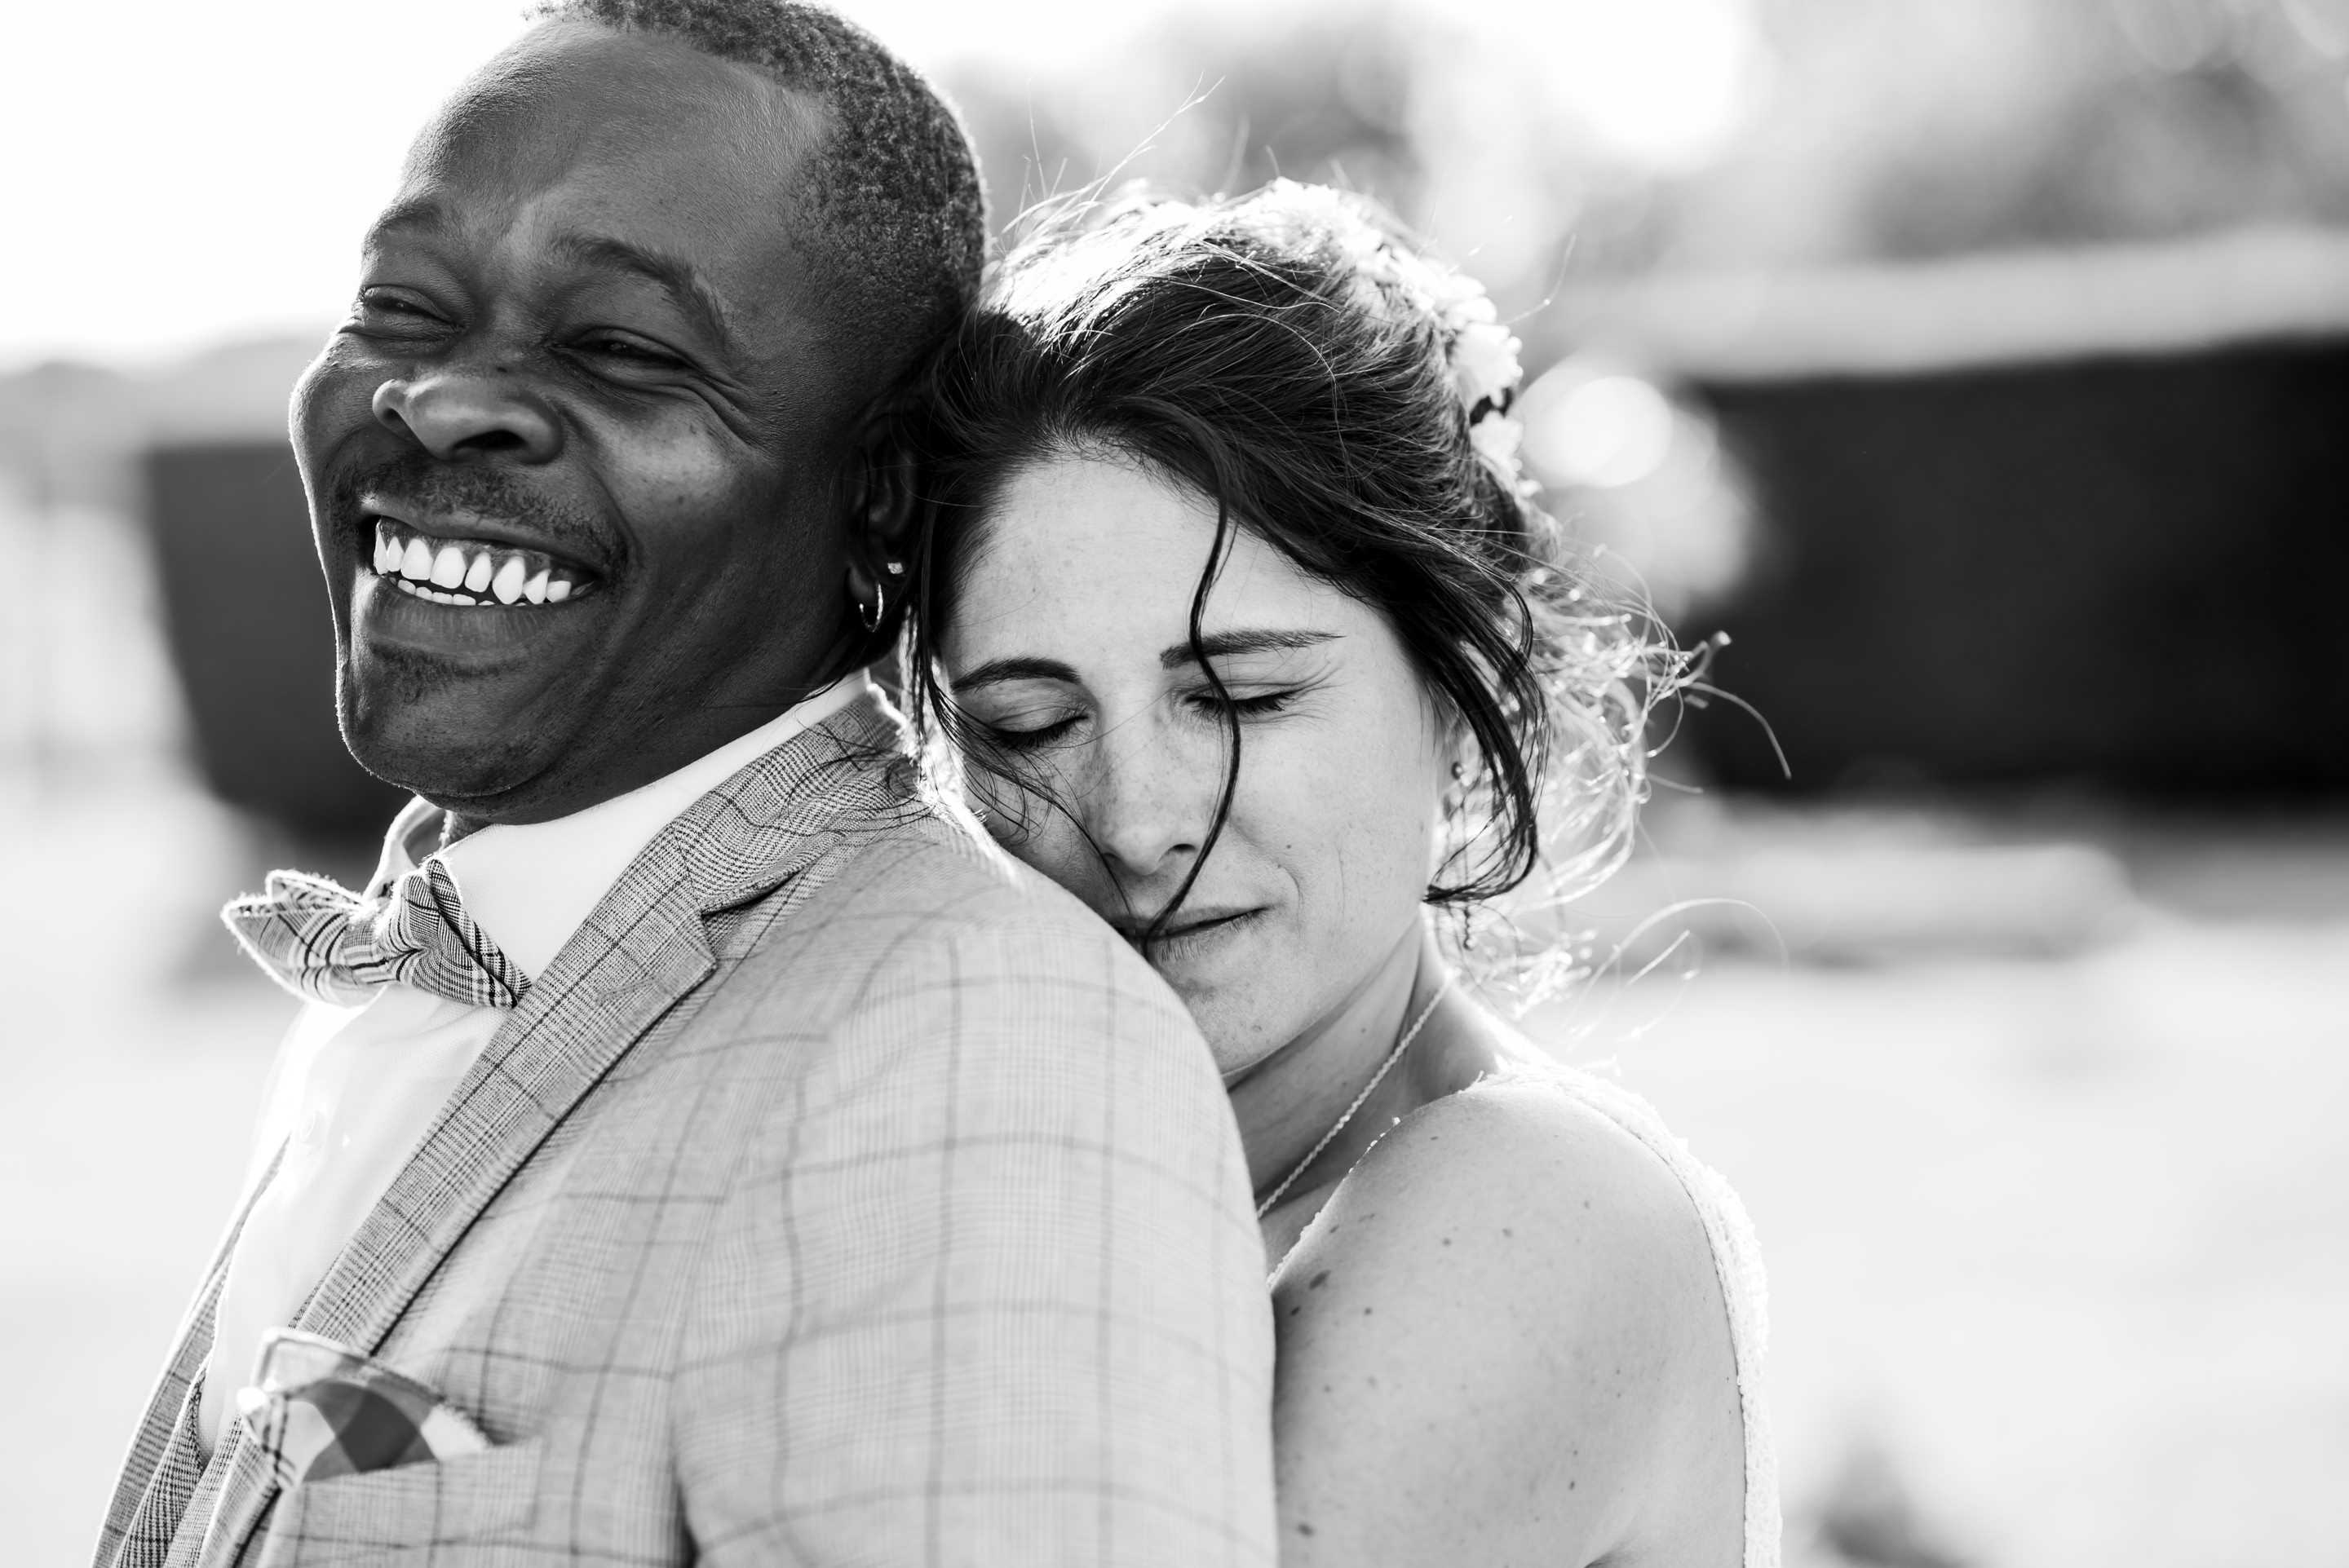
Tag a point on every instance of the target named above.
point(676, 469)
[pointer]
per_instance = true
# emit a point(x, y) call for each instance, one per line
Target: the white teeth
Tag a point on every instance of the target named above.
point(507, 584)
point(484, 574)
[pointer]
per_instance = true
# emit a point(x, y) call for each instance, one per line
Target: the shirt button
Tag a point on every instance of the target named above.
point(313, 1130)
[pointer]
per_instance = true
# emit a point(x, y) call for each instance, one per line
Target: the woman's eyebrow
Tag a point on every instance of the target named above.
point(995, 672)
point(1223, 645)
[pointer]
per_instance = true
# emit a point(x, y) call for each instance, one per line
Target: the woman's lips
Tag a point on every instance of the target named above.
point(1186, 923)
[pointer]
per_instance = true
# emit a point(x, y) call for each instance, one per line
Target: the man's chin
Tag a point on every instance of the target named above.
point(454, 748)
point(468, 778)
point(465, 723)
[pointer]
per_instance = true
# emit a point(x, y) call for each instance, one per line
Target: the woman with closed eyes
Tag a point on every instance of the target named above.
point(1237, 621)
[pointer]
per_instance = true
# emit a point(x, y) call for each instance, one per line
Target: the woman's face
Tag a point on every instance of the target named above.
point(1070, 641)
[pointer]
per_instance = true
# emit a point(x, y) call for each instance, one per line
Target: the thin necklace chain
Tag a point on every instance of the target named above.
point(1377, 1078)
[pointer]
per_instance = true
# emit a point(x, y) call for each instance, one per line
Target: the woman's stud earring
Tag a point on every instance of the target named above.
point(894, 568)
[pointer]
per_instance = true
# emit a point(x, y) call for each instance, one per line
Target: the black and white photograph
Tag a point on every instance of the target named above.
point(1249, 784)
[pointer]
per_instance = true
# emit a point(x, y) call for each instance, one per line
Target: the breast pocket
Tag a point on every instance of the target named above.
point(406, 1513)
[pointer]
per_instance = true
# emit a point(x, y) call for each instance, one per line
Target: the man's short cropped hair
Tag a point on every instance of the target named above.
point(900, 217)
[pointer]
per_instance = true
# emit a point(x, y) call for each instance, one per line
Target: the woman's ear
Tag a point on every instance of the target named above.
point(1451, 743)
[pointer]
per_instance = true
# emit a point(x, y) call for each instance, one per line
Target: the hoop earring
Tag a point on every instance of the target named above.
point(880, 604)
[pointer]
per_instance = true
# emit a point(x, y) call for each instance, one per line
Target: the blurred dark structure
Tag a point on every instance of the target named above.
point(2123, 573)
point(2101, 556)
point(250, 638)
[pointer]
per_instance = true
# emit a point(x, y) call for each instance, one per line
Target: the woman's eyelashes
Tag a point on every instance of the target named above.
point(1212, 704)
point(1023, 724)
point(1027, 736)
point(1250, 696)
point(1030, 729)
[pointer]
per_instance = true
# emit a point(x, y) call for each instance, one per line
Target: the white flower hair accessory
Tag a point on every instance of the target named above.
point(1485, 374)
point(1480, 349)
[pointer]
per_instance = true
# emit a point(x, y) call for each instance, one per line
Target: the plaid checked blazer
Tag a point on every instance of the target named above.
point(841, 1194)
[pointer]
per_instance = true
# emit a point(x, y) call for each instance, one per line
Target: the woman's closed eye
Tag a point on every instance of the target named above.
point(1241, 703)
point(1024, 729)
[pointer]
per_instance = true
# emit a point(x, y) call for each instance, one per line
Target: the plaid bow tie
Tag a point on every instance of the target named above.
point(318, 939)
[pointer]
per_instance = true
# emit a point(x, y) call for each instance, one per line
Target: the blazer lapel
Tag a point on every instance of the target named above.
point(167, 1457)
point(643, 949)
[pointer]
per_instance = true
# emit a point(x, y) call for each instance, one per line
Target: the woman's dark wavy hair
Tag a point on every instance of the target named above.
point(1243, 347)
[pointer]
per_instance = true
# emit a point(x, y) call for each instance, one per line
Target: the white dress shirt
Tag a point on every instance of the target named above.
point(355, 1088)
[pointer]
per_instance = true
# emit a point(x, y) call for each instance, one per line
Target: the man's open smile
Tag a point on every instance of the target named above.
point(561, 564)
point(472, 572)
point(464, 558)
point(470, 580)
point(462, 585)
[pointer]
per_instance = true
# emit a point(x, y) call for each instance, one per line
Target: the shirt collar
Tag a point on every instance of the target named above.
point(531, 885)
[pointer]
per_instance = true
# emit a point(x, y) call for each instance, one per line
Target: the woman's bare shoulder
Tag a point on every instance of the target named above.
point(1518, 1200)
point(1518, 1280)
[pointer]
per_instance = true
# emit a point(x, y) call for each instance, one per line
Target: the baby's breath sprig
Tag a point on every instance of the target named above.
point(1483, 353)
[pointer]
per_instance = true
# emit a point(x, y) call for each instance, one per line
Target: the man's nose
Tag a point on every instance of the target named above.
point(461, 414)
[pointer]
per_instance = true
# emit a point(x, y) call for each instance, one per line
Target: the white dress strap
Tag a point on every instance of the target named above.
point(1737, 1262)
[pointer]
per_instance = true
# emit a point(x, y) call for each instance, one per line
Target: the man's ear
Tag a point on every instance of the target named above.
point(884, 513)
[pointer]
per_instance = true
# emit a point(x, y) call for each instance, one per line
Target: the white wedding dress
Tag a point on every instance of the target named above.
point(1736, 1260)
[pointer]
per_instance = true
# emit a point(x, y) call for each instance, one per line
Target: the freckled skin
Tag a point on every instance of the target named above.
point(1476, 1368)
point(1558, 1389)
point(495, 372)
point(1090, 562)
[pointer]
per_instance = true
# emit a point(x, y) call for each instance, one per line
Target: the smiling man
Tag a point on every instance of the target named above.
point(697, 1145)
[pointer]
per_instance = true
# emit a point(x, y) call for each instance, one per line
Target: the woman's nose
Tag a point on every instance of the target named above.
point(457, 414)
point(1150, 804)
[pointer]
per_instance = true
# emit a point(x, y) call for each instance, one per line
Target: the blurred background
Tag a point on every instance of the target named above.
point(1981, 370)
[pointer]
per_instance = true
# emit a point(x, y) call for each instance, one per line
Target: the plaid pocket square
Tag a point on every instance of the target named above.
point(320, 1410)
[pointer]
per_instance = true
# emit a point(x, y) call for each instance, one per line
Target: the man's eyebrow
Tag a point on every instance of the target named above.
point(416, 212)
point(673, 275)
point(1227, 644)
point(995, 672)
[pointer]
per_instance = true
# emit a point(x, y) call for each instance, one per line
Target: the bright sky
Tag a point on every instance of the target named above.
point(181, 174)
